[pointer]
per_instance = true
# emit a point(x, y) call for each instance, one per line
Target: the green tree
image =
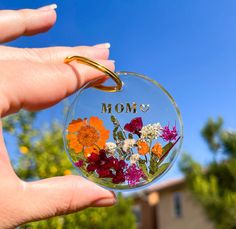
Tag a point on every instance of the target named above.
point(215, 186)
point(42, 155)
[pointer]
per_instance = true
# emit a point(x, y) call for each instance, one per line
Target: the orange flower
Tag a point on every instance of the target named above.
point(157, 149)
point(143, 147)
point(87, 136)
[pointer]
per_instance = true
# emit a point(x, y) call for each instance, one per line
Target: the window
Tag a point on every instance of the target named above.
point(177, 204)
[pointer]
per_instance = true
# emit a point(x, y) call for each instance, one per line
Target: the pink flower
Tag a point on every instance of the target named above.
point(134, 126)
point(168, 134)
point(133, 175)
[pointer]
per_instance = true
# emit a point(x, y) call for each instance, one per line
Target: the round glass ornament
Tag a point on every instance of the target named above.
point(123, 139)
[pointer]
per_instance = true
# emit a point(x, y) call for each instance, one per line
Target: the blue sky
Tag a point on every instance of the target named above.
point(187, 46)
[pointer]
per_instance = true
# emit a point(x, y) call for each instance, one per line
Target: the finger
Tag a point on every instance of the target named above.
point(16, 23)
point(5, 163)
point(42, 85)
point(62, 195)
point(103, 45)
point(52, 55)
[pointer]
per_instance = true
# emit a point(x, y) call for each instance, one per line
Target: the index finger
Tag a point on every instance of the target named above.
point(36, 86)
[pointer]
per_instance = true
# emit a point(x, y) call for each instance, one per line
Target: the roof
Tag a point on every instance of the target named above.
point(166, 184)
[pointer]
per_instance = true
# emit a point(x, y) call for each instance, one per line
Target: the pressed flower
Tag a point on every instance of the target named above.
point(119, 177)
point(134, 126)
point(128, 144)
point(93, 157)
point(157, 149)
point(133, 175)
point(151, 131)
point(105, 173)
point(168, 134)
point(110, 147)
point(134, 158)
point(87, 136)
point(79, 163)
point(143, 147)
point(92, 167)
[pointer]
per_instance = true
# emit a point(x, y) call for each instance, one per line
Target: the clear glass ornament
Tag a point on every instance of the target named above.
point(123, 140)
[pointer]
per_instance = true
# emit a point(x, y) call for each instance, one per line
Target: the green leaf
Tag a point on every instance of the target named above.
point(142, 165)
point(114, 120)
point(120, 135)
point(115, 133)
point(161, 169)
point(153, 164)
point(130, 136)
point(167, 147)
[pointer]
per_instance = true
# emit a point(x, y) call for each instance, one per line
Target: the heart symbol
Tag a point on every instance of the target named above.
point(144, 107)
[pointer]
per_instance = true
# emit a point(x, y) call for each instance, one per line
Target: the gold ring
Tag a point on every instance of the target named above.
point(100, 67)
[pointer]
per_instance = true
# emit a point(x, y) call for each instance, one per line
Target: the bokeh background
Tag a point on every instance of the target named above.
point(187, 46)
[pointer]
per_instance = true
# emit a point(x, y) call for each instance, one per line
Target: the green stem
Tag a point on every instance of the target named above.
point(146, 158)
point(150, 148)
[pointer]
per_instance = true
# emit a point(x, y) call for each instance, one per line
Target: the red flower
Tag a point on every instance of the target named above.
point(79, 163)
point(119, 177)
point(102, 154)
point(134, 126)
point(105, 173)
point(93, 157)
point(107, 167)
point(92, 167)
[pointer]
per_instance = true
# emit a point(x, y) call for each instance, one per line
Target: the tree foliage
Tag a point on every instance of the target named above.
point(215, 186)
point(42, 156)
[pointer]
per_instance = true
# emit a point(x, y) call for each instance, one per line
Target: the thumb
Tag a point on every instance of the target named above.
point(62, 195)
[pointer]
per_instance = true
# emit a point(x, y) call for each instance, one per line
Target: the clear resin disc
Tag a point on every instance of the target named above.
point(123, 140)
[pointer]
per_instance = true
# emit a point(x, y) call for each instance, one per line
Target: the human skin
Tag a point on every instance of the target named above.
point(34, 79)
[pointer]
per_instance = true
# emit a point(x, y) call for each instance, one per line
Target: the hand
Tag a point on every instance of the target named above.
point(34, 79)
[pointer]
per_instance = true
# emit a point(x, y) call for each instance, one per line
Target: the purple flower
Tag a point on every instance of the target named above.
point(79, 163)
point(133, 175)
point(168, 134)
point(134, 126)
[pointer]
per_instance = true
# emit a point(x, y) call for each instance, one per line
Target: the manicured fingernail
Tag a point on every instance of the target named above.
point(103, 45)
point(48, 7)
point(104, 202)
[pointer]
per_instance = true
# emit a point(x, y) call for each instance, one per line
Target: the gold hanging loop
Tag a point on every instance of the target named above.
point(100, 67)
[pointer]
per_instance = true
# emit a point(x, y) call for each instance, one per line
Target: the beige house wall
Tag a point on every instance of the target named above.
point(192, 217)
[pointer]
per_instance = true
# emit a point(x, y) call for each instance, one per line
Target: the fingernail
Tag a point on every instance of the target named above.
point(48, 7)
point(103, 45)
point(113, 61)
point(104, 202)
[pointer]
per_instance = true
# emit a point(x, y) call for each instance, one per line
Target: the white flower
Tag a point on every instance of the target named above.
point(128, 144)
point(110, 147)
point(134, 158)
point(151, 131)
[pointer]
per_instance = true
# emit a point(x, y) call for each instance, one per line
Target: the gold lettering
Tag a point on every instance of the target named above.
point(106, 108)
point(119, 107)
point(129, 108)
